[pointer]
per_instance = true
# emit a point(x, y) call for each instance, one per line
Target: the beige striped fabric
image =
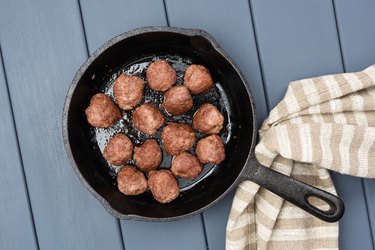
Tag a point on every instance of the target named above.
point(323, 123)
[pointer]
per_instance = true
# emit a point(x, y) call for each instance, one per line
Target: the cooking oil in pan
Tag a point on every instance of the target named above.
point(216, 97)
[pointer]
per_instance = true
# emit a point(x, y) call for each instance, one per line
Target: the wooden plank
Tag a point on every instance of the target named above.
point(43, 45)
point(186, 234)
point(356, 22)
point(230, 23)
point(356, 25)
point(104, 20)
point(15, 212)
point(369, 186)
point(298, 39)
point(354, 226)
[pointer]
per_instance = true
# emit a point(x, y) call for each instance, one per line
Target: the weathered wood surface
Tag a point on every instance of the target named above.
point(44, 42)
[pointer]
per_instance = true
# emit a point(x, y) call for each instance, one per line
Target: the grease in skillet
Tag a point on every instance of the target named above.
point(125, 125)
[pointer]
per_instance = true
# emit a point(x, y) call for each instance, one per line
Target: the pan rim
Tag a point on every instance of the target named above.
point(93, 57)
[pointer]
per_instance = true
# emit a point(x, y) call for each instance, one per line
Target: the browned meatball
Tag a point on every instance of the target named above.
point(163, 186)
point(160, 75)
point(131, 181)
point(148, 156)
point(102, 112)
point(177, 137)
point(177, 100)
point(128, 91)
point(148, 119)
point(186, 165)
point(210, 150)
point(198, 79)
point(118, 150)
point(208, 119)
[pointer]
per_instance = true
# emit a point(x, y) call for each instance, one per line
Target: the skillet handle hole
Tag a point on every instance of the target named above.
point(321, 204)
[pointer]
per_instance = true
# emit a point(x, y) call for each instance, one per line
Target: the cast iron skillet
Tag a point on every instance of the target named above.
point(195, 46)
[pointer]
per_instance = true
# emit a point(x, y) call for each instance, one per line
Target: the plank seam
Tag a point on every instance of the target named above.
point(166, 12)
point(338, 35)
point(88, 54)
point(204, 231)
point(262, 78)
point(83, 28)
point(368, 212)
point(19, 152)
point(121, 235)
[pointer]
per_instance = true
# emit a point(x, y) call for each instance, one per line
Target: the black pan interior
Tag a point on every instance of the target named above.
point(216, 96)
point(133, 55)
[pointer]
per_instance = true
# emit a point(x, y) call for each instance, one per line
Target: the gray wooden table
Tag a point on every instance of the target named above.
point(42, 44)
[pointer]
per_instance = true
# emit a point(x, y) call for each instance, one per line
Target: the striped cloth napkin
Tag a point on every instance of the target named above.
point(323, 123)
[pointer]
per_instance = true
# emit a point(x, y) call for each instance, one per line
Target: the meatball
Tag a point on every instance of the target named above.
point(148, 156)
point(102, 112)
point(160, 75)
point(177, 100)
point(208, 119)
point(128, 91)
point(163, 186)
point(131, 181)
point(148, 119)
point(198, 79)
point(177, 137)
point(210, 150)
point(118, 150)
point(186, 165)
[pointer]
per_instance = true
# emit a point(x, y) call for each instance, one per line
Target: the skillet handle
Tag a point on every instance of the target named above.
point(294, 191)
